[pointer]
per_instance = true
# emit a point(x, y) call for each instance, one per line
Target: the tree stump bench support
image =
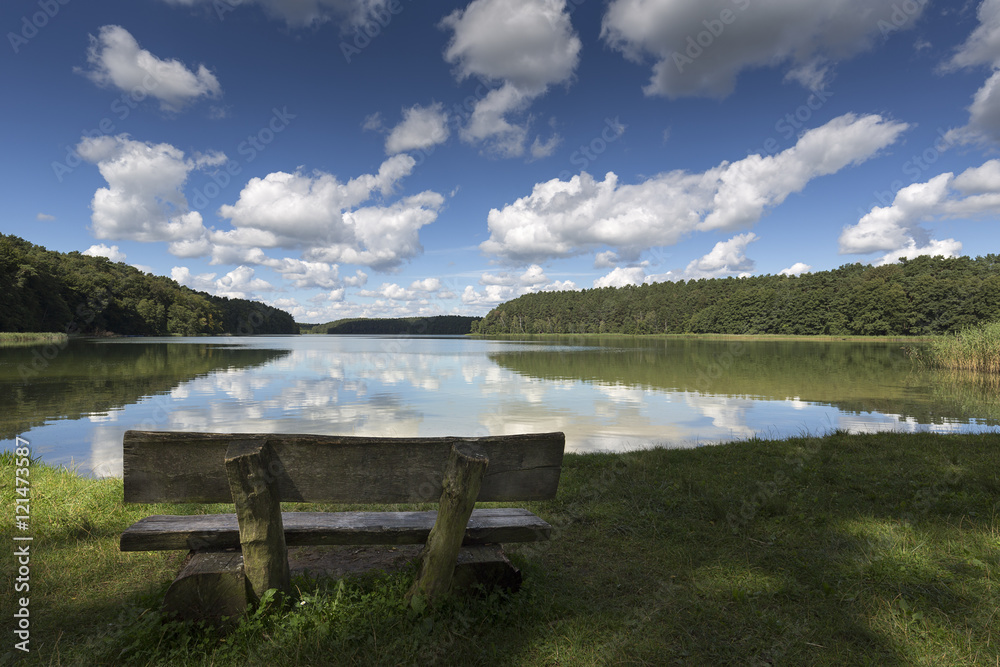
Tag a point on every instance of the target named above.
point(235, 558)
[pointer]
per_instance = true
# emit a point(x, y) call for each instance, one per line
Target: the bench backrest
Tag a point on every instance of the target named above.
point(190, 467)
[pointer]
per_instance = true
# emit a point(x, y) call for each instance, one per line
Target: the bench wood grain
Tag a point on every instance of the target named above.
point(190, 467)
point(221, 531)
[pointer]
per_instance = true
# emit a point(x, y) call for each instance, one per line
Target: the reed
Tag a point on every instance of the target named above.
point(975, 348)
point(11, 338)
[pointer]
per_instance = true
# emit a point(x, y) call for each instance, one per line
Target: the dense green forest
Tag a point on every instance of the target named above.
point(922, 296)
point(439, 325)
point(43, 290)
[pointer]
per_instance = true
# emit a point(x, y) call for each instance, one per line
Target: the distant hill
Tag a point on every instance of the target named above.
point(917, 297)
point(439, 325)
point(44, 290)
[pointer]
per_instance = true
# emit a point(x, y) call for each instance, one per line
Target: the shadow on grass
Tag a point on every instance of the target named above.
point(846, 549)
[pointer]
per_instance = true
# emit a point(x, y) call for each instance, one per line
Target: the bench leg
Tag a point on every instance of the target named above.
point(252, 469)
point(462, 479)
point(210, 587)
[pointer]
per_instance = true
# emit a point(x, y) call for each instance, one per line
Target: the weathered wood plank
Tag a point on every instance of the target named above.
point(189, 467)
point(462, 479)
point(258, 513)
point(209, 587)
point(219, 531)
point(486, 565)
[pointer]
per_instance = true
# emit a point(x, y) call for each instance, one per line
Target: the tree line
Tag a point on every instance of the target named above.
point(438, 325)
point(44, 290)
point(921, 296)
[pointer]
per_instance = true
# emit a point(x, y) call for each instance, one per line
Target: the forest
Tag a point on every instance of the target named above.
point(44, 290)
point(439, 325)
point(917, 297)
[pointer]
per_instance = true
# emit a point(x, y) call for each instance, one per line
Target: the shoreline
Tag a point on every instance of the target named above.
point(722, 337)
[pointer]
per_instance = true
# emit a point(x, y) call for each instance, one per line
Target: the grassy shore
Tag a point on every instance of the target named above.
point(715, 336)
point(9, 339)
point(836, 550)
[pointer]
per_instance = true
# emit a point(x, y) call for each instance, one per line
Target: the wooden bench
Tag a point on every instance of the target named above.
point(236, 557)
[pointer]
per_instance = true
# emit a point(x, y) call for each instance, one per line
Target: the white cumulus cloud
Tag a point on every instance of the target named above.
point(421, 128)
point(490, 296)
point(981, 48)
point(328, 218)
point(524, 45)
point(796, 269)
point(144, 200)
point(112, 253)
point(240, 283)
point(116, 59)
point(622, 276)
point(359, 279)
point(426, 285)
point(934, 248)
point(393, 292)
point(565, 218)
point(700, 48)
point(418, 290)
point(304, 275)
point(898, 228)
point(725, 259)
point(500, 287)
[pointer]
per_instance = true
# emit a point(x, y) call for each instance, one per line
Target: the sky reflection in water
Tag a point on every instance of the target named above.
point(605, 395)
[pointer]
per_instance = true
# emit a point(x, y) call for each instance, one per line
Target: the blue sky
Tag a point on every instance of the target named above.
point(341, 158)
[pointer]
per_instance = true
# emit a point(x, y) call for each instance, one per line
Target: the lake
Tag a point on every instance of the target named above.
point(73, 403)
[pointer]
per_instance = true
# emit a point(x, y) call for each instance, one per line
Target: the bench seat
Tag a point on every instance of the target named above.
point(221, 531)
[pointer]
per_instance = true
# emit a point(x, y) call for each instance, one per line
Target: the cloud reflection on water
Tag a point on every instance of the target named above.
point(434, 387)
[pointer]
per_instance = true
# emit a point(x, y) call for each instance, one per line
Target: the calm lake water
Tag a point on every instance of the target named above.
point(73, 404)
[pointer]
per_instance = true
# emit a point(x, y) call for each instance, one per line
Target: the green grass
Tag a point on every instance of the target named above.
point(975, 349)
point(10, 339)
point(877, 549)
